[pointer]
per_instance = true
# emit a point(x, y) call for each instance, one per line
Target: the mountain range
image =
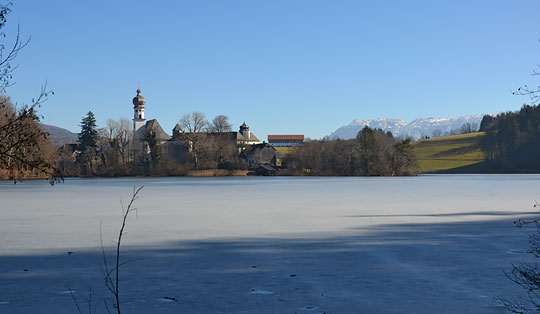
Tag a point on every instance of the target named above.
point(401, 128)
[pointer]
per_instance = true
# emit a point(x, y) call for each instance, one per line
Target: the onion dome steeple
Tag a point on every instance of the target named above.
point(138, 101)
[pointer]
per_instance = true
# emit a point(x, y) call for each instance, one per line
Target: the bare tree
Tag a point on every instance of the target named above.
point(192, 131)
point(21, 139)
point(526, 275)
point(124, 136)
point(7, 55)
point(436, 133)
point(468, 128)
point(193, 123)
point(220, 124)
point(533, 93)
point(111, 129)
point(118, 135)
point(111, 274)
point(217, 151)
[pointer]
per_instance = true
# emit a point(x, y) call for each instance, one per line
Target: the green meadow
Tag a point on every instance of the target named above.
point(449, 152)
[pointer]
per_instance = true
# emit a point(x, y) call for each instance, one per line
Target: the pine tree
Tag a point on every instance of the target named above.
point(87, 144)
point(88, 135)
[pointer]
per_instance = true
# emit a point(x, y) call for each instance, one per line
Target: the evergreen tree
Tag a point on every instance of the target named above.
point(87, 144)
point(89, 134)
point(156, 154)
point(486, 121)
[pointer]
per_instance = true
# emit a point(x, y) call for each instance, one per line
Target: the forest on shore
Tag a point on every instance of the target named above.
point(110, 151)
point(511, 143)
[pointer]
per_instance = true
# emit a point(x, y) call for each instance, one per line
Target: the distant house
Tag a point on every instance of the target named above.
point(245, 137)
point(259, 154)
point(285, 140)
point(265, 170)
point(71, 150)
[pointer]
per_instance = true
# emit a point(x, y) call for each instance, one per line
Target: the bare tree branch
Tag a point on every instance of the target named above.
point(126, 213)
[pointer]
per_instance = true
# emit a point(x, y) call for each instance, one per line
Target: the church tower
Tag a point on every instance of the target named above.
point(244, 130)
point(138, 116)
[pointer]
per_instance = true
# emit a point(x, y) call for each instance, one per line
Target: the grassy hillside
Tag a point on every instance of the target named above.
point(449, 152)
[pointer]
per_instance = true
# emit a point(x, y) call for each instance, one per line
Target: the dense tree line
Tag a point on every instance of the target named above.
point(371, 153)
point(203, 145)
point(110, 151)
point(511, 131)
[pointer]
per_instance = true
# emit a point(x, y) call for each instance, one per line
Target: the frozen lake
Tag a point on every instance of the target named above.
point(426, 244)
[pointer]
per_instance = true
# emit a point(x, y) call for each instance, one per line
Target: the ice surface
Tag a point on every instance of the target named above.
point(427, 244)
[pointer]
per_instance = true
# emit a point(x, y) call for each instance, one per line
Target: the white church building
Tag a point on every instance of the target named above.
point(141, 126)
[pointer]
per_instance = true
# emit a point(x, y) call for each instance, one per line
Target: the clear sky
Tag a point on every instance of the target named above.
point(291, 66)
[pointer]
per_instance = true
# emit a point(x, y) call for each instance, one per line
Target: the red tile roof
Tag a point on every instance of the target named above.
point(285, 137)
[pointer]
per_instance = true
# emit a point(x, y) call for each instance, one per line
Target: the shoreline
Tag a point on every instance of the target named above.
point(245, 173)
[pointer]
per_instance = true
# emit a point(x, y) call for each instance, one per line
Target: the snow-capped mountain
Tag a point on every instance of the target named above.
point(415, 129)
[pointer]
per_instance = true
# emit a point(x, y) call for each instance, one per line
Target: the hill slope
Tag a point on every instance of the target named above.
point(60, 136)
point(449, 152)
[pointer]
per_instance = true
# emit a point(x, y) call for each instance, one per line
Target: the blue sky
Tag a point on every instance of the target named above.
point(300, 67)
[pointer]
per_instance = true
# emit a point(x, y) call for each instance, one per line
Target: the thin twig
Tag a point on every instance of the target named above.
point(118, 244)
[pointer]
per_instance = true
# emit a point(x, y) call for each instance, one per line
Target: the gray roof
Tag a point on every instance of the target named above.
point(153, 126)
point(237, 136)
point(258, 146)
point(240, 137)
point(266, 167)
